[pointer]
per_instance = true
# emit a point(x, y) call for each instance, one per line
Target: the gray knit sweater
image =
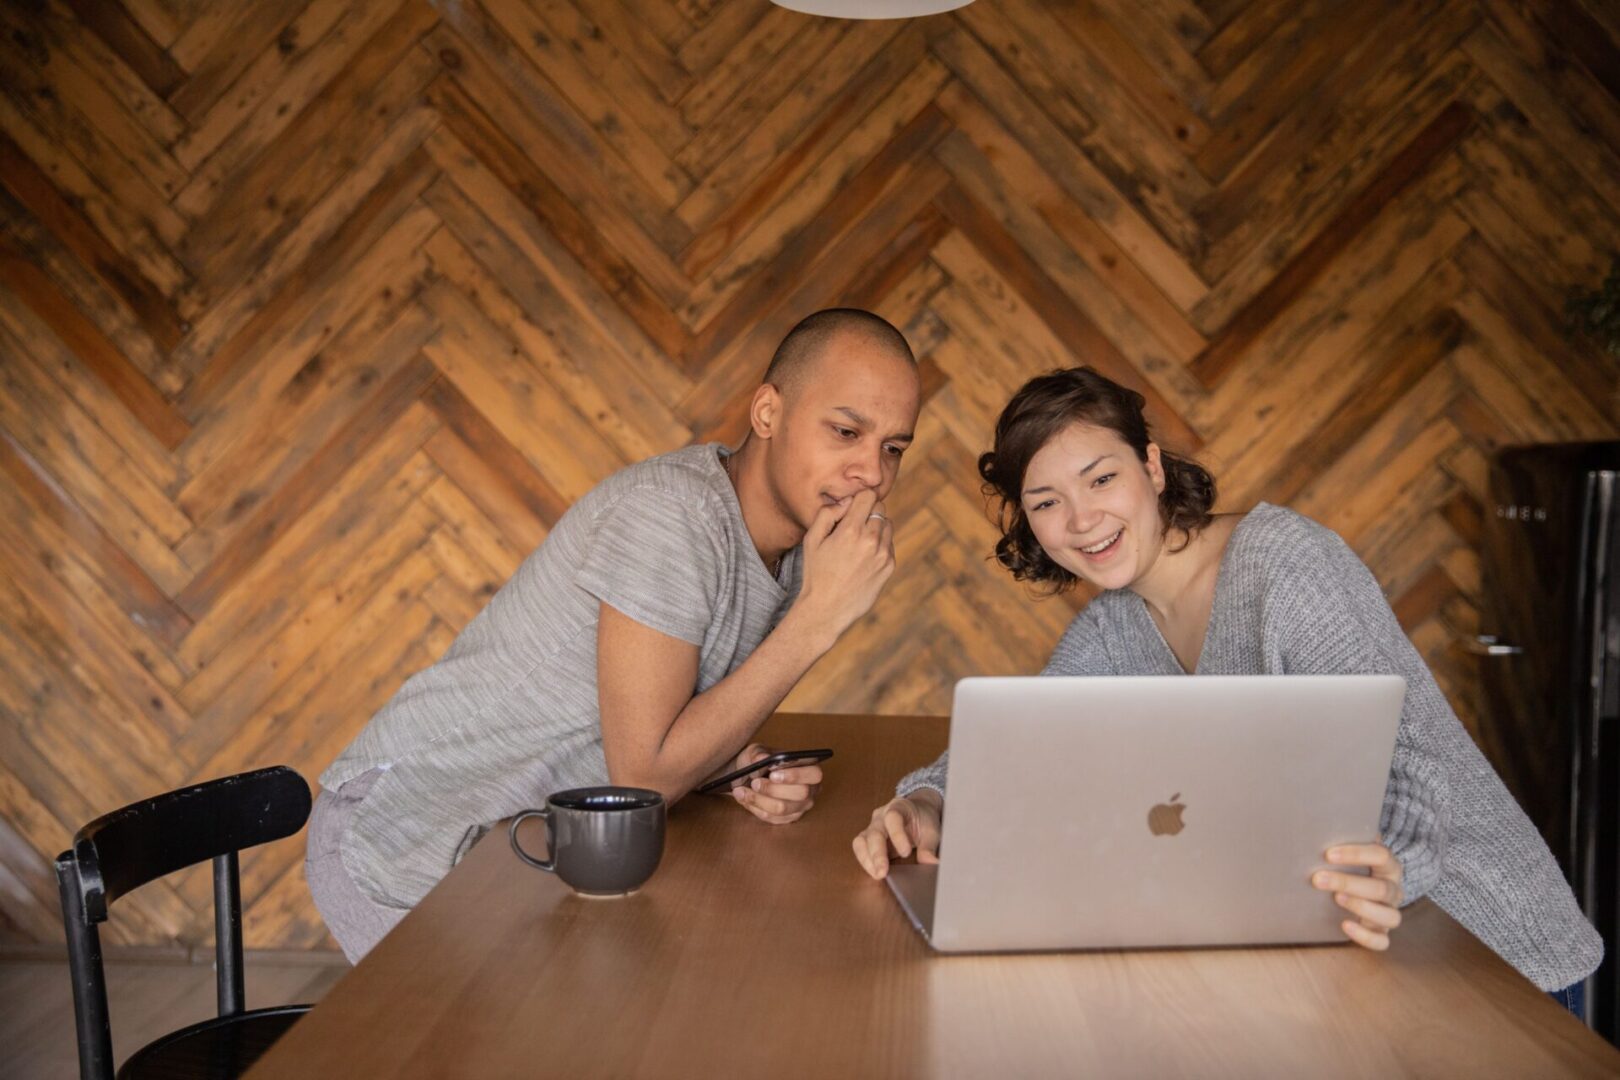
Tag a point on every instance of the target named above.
point(1292, 598)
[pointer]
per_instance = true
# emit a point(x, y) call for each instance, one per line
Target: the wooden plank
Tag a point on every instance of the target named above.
point(716, 40)
point(628, 415)
point(651, 34)
point(1317, 156)
point(84, 295)
point(1168, 268)
point(348, 218)
point(734, 64)
point(33, 65)
point(1029, 279)
point(1513, 311)
point(243, 214)
point(539, 30)
point(79, 30)
point(282, 512)
point(543, 278)
point(1562, 100)
point(1289, 75)
point(35, 191)
point(509, 87)
point(741, 240)
point(493, 373)
point(636, 226)
point(265, 595)
point(285, 337)
point(620, 51)
point(98, 357)
point(56, 530)
point(106, 658)
point(522, 507)
point(1088, 282)
point(839, 215)
point(242, 699)
point(859, 69)
point(336, 386)
point(717, 404)
point(89, 467)
point(471, 144)
point(143, 241)
point(1406, 168)
point(130, 42)
point(32, 101)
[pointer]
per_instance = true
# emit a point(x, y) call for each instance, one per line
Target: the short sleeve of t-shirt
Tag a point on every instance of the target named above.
point(655, 556)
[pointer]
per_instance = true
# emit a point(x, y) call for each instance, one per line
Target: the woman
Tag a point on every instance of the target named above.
point(1086, 496)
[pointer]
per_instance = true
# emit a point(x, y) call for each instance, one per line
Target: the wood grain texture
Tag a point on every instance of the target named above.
point(315, 317)
point(747, 935)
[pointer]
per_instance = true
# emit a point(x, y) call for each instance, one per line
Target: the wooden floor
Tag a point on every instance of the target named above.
point(145, 997)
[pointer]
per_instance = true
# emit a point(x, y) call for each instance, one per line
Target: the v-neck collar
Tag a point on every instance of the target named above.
point(1215, 605)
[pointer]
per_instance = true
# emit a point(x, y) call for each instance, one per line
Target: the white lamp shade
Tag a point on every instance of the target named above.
point(872, 9)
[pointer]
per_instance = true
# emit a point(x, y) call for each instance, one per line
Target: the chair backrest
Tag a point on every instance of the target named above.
point(144, 841)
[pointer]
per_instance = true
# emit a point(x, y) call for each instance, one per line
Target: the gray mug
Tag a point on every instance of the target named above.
point(605, 841)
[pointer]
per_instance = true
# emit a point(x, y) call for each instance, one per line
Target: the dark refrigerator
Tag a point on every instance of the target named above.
point(1550, 666)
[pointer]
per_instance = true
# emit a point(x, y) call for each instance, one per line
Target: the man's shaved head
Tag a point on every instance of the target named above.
point(795, 358)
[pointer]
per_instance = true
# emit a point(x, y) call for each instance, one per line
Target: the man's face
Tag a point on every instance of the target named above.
point(842, 427)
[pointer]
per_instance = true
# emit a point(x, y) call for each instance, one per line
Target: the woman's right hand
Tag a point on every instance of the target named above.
point(909, 823)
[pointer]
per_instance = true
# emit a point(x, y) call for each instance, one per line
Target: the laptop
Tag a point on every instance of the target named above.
point(1151, 812)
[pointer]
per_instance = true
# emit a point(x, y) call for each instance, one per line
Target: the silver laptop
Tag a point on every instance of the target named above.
point(1101, 813)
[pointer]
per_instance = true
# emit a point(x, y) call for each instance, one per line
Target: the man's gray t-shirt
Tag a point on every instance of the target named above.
point(509, 714)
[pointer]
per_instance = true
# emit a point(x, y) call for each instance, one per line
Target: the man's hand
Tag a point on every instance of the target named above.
point(907, 824)
point(1373, 897)
point(780, 796)
point(848, 556)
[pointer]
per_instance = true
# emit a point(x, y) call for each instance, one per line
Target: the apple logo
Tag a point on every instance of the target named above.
point(1165, 819)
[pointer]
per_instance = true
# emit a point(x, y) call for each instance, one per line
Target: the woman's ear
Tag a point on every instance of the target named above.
point(1155, 468)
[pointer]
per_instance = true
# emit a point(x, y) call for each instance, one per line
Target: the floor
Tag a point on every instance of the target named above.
point(145, 998)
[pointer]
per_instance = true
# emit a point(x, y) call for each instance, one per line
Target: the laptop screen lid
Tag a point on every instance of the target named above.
point(1155, 811)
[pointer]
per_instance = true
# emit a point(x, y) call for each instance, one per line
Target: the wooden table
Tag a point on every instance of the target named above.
point(764, 952)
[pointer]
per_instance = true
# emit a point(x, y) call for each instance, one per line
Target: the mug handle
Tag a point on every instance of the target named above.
point(548, 864)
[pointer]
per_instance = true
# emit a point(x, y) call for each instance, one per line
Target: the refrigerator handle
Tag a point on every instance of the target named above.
point(1489, 645)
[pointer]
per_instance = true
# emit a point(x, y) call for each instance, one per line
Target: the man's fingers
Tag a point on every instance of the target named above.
point(825, 521)
point(766, 804)
point(800, 774)
point(1376, 940)
point(785, 792)
point(1381, 916)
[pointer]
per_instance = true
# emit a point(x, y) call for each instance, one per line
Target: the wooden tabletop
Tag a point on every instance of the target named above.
point(760, 951)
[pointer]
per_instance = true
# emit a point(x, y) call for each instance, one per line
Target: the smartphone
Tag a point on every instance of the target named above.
point(787, 758)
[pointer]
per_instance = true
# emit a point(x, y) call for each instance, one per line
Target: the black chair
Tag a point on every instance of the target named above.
point(127, 848)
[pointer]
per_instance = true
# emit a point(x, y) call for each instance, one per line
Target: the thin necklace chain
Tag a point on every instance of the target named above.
point(725, 463)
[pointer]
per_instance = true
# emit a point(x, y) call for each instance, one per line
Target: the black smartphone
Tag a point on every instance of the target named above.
point(788, 758)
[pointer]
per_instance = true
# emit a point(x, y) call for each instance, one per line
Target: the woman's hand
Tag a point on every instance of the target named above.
point(1373, 898)
point(907, 824)
point(780, 796)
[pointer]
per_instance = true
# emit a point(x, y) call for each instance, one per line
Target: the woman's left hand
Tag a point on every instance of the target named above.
point(1373, 898)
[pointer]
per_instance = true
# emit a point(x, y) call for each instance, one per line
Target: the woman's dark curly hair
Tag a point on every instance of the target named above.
point(1041, 409)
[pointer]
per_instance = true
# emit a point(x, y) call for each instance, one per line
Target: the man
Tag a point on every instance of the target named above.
point(644, 642)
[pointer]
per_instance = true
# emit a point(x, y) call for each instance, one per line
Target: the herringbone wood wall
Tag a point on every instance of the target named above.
point(314, 316)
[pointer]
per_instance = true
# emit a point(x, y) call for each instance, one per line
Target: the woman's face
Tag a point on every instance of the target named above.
point(1094, 505)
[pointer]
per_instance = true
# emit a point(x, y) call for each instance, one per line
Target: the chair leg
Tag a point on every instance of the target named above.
point(89, 983)
point(228, 935)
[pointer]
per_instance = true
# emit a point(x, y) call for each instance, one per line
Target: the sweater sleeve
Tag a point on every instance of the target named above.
point(1460, 835)
point(1337, 622)
point(1081, 651)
